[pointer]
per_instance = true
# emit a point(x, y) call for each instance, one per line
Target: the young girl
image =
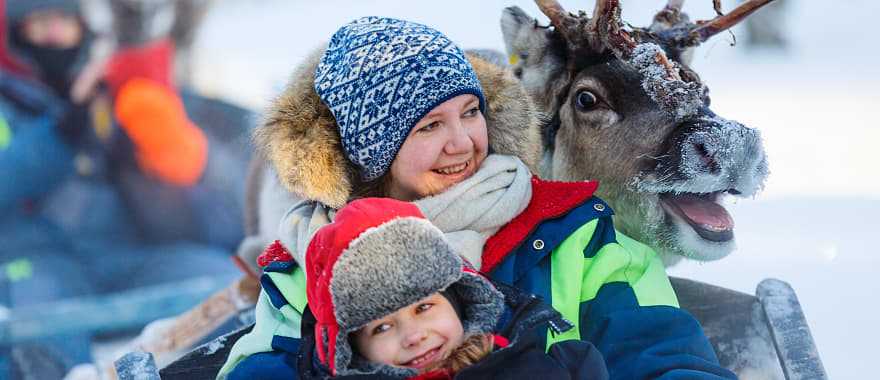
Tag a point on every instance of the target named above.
point(392, 299)
point(394, 109)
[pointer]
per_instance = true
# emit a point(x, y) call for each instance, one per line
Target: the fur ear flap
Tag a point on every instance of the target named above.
point(299, 137)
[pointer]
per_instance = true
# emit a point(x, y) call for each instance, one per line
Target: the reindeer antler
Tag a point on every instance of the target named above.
point(595, 34)
point(672, 26)
point(706, 29)
point(559, 18)
point(670, 15)
point(569, 26)
point(661, 76)
point(602, 32)
point(606, 32)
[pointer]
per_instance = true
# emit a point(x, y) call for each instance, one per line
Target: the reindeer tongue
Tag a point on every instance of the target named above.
point(708, 218)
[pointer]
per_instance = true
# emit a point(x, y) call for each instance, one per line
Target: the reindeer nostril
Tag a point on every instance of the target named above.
point(706, 158)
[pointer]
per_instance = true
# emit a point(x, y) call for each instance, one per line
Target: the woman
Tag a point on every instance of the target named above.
point(394, 109)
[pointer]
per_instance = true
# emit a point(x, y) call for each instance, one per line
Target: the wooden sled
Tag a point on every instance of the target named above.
point(757, 336)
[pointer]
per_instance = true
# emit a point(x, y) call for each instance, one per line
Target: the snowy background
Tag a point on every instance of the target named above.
point(816, 105)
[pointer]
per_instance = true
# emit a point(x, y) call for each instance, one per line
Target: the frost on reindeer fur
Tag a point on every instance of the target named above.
point(678, 98)
point(732, 148)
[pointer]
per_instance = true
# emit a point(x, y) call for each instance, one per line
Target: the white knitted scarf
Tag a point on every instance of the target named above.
point(473, 210)
point(468, 212)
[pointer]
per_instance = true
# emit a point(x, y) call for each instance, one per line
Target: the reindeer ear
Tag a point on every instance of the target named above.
point(521, 34)
point(533, 55)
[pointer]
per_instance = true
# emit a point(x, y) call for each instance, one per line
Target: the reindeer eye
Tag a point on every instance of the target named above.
point(586, 101)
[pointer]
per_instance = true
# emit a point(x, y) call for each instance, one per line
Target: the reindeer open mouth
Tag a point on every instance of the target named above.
point(708, 159)
point(702, 212)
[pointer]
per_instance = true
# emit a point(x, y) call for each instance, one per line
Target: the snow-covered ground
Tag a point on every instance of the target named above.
point(815, 104)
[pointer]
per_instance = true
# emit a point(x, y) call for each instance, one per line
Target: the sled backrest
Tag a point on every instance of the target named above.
point(762, 336)
point(203, 362)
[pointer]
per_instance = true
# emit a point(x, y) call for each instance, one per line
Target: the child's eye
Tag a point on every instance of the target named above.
point(424, 307)
point(472, 112)
point(381, 328)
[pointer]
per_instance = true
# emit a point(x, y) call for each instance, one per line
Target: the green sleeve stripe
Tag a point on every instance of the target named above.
point(269, 322)
point(5, 133)
point(575, 279)
point(652, 288)
point(566, 268)
point(292, 286)
point(642, 270)
point(291, 326)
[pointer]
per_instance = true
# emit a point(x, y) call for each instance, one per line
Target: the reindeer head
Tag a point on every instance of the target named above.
point(625, 108)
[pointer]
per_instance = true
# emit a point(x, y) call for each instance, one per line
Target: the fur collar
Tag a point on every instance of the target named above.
point(299, 137)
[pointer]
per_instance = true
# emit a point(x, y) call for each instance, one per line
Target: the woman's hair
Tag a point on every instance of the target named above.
point(377, 188)
point(472, 350)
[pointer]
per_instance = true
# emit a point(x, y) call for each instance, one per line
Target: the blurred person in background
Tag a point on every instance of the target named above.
point(105, 185)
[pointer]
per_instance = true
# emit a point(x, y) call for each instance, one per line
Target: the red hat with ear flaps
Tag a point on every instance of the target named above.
point(380, 255)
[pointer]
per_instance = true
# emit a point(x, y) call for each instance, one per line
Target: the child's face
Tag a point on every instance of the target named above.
point(418, 336)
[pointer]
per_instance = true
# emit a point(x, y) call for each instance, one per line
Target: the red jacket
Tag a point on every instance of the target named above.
point(550, 199)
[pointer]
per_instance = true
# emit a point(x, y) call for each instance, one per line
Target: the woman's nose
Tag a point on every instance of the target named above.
point(459, 140)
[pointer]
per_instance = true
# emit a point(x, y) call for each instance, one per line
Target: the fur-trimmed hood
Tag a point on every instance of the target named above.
point(300, 139)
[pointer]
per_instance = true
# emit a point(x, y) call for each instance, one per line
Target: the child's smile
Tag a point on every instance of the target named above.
point(426, 360)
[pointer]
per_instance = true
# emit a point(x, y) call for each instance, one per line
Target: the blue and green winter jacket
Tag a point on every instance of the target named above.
point(563, 248)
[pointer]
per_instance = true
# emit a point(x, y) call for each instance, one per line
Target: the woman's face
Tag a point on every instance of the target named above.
point(420, 335)
point(445, 147)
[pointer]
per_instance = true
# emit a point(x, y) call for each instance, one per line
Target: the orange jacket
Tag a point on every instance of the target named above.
point(168, 145)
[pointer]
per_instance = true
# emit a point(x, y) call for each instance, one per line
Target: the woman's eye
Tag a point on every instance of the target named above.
point(381, 328)
point(424, 307)
point(472, 112)
point(429, 127)
point(586, 100)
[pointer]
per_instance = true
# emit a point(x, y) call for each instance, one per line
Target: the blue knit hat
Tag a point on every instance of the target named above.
point(380, 76)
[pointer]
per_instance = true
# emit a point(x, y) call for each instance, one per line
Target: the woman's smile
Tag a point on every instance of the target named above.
point(454, 169)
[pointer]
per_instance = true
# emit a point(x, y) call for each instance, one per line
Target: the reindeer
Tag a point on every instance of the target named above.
point(625, 108)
